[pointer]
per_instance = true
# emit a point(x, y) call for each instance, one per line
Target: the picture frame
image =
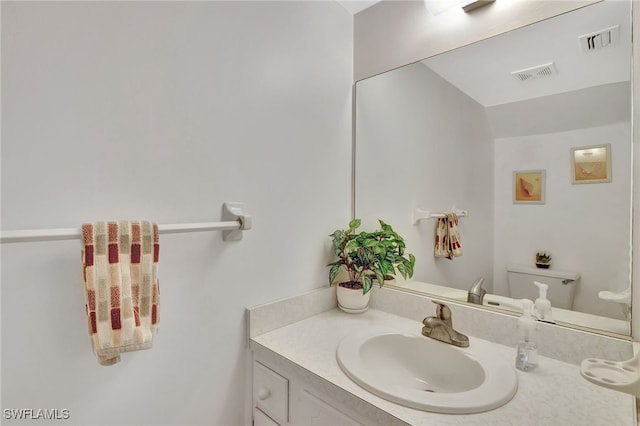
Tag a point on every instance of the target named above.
point(591, 164)
point(529, 186)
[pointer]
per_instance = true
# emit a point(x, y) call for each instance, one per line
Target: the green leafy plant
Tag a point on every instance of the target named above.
point(369, 255)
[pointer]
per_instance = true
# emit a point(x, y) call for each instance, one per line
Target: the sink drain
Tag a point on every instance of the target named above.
point(425, 385)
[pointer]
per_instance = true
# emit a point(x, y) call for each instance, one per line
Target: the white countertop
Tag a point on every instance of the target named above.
point(554, 394)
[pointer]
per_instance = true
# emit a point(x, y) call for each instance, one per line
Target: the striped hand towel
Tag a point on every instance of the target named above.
point(447, 237)
point(441, 247)
point(120, 262)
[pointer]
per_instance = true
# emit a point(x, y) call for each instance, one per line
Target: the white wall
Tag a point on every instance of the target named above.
point(437, 152)
point(163, 111)
point(585, 226)
point(590, 107)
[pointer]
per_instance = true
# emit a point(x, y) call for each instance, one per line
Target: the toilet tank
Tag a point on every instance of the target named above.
point(562, 284)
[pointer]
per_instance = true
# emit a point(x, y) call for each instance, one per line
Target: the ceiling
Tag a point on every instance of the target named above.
point(483, 70)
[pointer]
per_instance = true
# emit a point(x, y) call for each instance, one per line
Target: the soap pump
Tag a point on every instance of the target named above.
point(542, 304)
point(527, 349)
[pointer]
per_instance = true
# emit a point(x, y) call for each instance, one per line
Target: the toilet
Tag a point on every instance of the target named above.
point(562, 284)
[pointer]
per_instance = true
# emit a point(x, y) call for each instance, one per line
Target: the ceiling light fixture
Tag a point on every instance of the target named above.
point(436, 7)
point(468, 6)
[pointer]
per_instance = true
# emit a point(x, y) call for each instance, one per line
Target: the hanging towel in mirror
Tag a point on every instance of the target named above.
point(455, 248)
point(120, 262)
point(441, 248)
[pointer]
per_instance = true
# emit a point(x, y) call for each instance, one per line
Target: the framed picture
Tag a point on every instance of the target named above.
point(591, 164)
point(528, 186)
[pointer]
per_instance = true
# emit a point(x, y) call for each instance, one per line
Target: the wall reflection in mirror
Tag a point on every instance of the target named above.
point(466, 129)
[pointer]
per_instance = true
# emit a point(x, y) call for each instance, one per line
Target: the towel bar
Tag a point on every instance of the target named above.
point(419, 214)
point(234, 222)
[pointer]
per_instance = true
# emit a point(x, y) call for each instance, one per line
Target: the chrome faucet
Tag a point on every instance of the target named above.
point(440, 327)
point(476, 292)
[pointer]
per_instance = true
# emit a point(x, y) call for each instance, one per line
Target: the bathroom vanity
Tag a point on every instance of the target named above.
point(297, 378)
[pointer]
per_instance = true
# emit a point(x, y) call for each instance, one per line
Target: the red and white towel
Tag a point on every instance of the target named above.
point(454, 236)
point(120, 262)
point(447, 242)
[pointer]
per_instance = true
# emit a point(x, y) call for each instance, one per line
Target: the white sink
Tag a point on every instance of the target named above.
point(426, 374)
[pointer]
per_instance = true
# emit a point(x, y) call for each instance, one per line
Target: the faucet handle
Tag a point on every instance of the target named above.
point(443, 312)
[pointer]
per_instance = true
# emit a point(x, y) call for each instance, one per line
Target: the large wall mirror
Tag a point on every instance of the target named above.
point(468, 129)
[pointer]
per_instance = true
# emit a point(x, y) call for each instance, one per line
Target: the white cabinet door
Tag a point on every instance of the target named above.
point(261, 419)
point(307, 410)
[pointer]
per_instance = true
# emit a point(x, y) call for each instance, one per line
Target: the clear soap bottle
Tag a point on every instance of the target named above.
point(527, 349)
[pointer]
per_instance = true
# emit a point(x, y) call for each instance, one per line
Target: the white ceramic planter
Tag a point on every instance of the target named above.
point(352, 300)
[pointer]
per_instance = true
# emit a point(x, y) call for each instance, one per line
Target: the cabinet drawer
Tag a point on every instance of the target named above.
point(271, 393)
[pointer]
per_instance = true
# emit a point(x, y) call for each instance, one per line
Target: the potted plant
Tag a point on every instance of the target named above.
point(366, 256)
point(543, 259)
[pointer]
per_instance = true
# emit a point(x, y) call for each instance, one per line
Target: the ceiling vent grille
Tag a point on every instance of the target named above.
point(600, 39)
point(540, 71)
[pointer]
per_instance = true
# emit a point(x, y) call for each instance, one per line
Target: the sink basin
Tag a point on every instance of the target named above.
point(426, 374)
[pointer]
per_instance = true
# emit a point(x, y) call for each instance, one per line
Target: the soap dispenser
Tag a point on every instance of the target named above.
point(527, 349)
point(542, 304)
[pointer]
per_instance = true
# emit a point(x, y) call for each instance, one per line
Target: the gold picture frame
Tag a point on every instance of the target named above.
point(529, 186)
point(591, 164)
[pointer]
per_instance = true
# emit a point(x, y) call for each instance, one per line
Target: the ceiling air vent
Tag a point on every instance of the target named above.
point(544, 70)
point(600, 39)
